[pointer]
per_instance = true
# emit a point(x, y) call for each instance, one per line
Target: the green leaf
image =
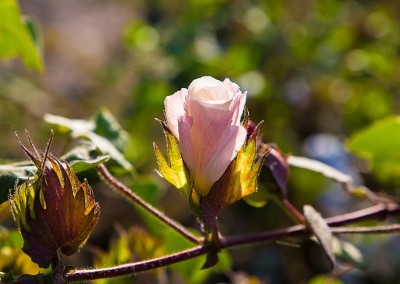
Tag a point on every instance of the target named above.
point(82, 158)
point(102, 130)
point(319, 167)
point(148, 189)
point(321, 231)
point(348, 253)
point(18, 36)
point(107, 126)
point(12, 173)
point(324, 279)
point(302, 190)
point(380, 144)
point(133, 244)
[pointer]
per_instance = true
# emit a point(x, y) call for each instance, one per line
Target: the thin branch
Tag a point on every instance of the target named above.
point(262, 237)
point(387, 229)
point(120, 270)
point(122, 189)
point(380, 210)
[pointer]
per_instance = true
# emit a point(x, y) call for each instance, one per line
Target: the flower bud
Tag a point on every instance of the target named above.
point(212, 152)
point(53, 210)
point(206, 121)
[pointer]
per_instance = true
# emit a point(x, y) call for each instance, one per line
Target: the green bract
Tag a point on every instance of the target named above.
point(173, 170)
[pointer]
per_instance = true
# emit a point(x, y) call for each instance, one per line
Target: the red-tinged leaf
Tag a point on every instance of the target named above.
point(278, 167)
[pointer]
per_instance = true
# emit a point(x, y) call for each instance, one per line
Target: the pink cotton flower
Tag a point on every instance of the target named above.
point(205, 118)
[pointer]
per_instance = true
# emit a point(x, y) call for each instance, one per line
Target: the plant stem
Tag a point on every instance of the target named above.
point(120, 270)
point(388, 229)
point(55, 262)
point(379, 210)
point(293, 210)
point(233, 241)
point(125, 191)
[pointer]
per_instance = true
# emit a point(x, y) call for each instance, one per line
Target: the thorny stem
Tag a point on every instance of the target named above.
point(122, 189)
point(380, 210)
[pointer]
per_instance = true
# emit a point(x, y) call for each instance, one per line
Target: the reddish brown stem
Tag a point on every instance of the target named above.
point(293, 210)
point(122, 189)
point(380, 210)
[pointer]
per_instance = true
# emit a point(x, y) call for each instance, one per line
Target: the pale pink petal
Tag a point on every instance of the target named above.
point(224, 152)
point(197, 86)
point(211, 92)
point(203, 113)
point(238, 108)
point(233, 87)
point(174, 109)
point(185, 125)
point(213, 148)
point(239, 101)
point(214, 143)
point(206, 120)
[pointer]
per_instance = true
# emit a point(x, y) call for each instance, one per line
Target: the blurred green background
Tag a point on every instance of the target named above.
point(315, 72)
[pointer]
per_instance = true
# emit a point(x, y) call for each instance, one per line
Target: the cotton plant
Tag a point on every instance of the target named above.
point(215, 156)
